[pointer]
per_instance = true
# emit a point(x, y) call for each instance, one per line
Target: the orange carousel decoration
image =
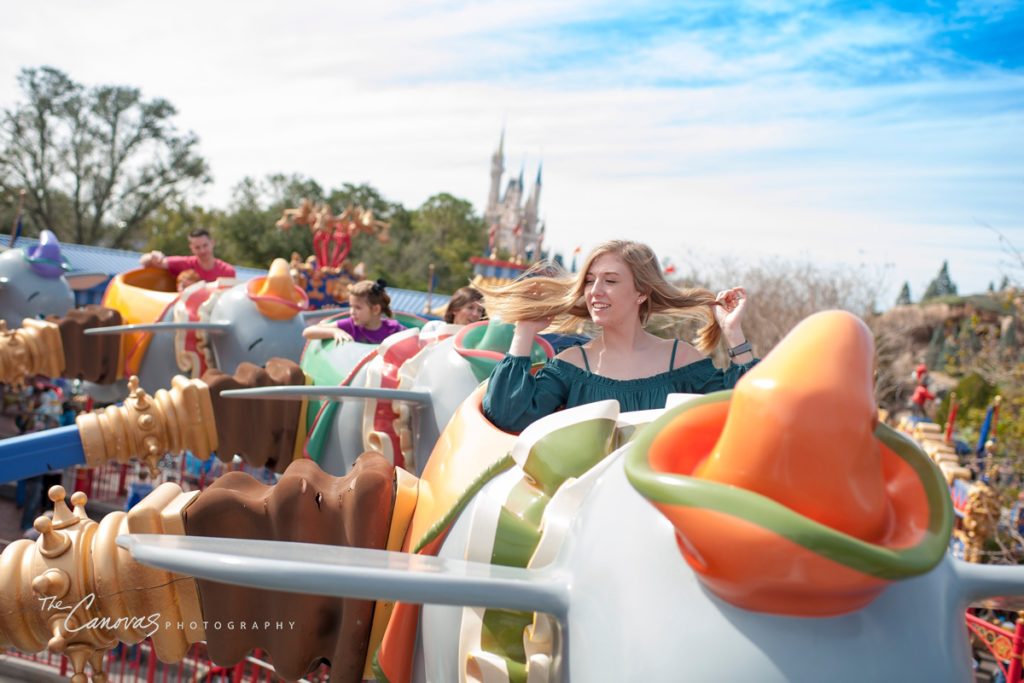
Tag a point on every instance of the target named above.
point(327, 273)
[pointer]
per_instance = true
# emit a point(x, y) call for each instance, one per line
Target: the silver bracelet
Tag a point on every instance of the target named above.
point(740, 349)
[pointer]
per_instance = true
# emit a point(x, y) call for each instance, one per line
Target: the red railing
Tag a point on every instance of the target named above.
point(1005, 645)
point(133, 663)
point(112, 483)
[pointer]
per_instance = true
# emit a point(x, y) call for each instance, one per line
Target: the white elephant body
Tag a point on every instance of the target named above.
point(408, 361)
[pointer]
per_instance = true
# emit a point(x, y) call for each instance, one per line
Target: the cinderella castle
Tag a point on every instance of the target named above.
point(513, 226)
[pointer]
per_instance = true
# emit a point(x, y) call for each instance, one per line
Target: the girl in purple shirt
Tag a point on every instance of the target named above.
point(368, 302)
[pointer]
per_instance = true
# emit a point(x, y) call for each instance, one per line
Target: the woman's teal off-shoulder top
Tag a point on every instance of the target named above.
point(515, 398)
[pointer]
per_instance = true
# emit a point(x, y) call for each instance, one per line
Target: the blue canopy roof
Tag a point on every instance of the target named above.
point(85, 259)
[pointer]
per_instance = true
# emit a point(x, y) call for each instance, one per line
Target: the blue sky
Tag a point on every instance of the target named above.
point(885, 134)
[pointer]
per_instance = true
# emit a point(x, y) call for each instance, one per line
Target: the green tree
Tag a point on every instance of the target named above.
point(167, 228)
point(454, 232)
point(248, 235)
point(444, 231)
point(247, 232)
point(942, 285)
point(96, 162)
point(363, 195)
point(403, 260)
point(904, 296)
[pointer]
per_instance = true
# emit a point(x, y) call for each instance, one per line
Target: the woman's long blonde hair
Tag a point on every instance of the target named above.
point(547, 290)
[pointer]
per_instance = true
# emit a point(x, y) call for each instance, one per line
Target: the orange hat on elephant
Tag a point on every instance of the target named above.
point(276, 295)
point(786, 493)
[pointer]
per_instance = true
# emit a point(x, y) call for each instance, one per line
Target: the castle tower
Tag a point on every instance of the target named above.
point(512, 225)
point(497, 169)
point(534, 199)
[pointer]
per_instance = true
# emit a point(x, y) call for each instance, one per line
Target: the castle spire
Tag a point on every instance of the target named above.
point(533, 201)
point(497, 170)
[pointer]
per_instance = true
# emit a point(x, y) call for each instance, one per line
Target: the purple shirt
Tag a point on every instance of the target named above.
point(177, 264)
point(360, 334)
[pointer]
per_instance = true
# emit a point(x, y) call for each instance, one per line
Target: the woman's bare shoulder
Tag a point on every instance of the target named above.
point(572, 355)
point(686, 354)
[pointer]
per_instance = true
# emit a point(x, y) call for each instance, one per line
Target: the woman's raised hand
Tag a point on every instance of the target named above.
point(729, 308)
point(522, 339)
point(533, 327)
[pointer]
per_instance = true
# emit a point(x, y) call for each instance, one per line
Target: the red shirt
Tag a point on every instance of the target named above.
point(922, 395)
point(177, 264)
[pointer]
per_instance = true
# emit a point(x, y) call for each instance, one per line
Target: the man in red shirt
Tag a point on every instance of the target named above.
point(920, 398)
point(202, 259)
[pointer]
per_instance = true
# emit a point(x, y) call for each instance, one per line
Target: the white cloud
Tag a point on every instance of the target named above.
point(718, 138)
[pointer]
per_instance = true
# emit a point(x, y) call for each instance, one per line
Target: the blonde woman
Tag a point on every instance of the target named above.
point(619, 287)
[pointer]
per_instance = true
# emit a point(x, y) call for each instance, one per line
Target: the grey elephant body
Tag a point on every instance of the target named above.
point(25, 294)
point(246, 336)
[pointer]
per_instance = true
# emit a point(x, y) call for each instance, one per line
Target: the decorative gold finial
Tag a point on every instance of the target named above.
point(52, 543)
point(138, 394)
point(62, 515)
point(53, 583)
point(79, 499)
point(57, 644)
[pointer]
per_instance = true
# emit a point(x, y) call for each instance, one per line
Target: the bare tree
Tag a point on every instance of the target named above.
point(902, 337)
point(95, 162)
point(782, 293)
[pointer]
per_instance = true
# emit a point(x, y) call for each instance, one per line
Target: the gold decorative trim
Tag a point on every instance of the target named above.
point(147, 427)
point(35, 348)
point(75, 592)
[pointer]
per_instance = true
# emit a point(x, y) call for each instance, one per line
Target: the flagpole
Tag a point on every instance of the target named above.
point(16, 225)
point(430, 289)
point(951, 418)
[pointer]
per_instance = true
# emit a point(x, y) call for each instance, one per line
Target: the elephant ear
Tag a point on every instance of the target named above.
point(341, 571)
point(320, 393)
point(209, 328)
